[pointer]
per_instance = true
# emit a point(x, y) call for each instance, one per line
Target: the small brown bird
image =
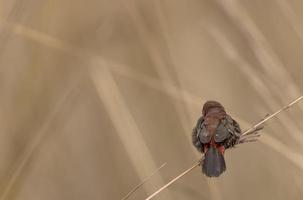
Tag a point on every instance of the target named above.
point(215, 132)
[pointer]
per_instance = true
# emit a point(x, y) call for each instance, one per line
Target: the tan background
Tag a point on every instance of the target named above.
point(96, 94)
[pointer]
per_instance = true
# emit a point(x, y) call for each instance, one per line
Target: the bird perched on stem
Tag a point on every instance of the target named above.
point(215, 132)
point(215, 121)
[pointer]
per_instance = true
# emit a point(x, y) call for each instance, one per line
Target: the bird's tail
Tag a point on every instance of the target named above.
point(213, 164)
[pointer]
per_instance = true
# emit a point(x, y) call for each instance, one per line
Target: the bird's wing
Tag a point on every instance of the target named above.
point(227, 129)
point(195, 139)
point(237, 130)
point(203, 134)
point(200, 135)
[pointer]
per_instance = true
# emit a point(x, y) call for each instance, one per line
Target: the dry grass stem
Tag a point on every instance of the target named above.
point(140, 184)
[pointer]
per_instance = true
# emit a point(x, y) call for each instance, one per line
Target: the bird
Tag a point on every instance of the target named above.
point(215, 132)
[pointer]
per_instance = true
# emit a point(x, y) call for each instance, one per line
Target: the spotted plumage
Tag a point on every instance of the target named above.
point(215, 132)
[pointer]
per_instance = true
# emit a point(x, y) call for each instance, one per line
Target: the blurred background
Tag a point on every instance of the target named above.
point(96, 95)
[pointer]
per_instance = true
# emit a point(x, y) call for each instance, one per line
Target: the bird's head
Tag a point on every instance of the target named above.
point(210, 105)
